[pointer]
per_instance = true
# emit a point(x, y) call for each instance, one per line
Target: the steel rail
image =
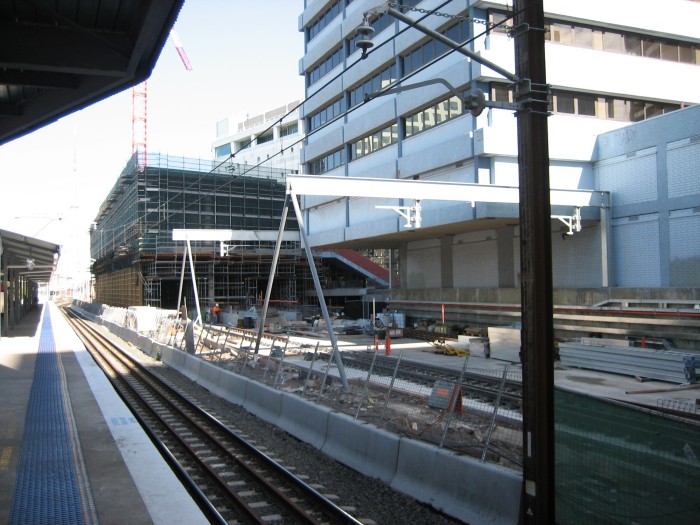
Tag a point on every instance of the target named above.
point(256, 464)
point(474, 384)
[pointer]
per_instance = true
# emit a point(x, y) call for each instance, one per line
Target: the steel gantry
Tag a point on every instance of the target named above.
point(317, 185)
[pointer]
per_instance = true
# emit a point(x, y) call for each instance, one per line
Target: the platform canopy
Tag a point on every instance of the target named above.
point(59, 57)
point(32, 258)
point(429, 190)
point(232, 235)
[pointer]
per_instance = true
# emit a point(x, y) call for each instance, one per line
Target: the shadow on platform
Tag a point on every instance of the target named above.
point(28, 326)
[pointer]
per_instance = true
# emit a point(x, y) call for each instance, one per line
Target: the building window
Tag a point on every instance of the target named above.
point(223, 151)
point(564, 103)
point(430, 49)
point(324, 19)
point(327, 113)
point(616, 42)
point(498, 22)
point(242, 144)
point(262, 139)
point(586, 105)
point(375, 141)
point(327, 163)
point(602, 107)
point(432, 116)
point(291, 129)
point(324, 67)
point(612, 41)
point(372, 85)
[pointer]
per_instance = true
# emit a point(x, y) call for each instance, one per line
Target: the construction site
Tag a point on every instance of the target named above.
point(137, 262)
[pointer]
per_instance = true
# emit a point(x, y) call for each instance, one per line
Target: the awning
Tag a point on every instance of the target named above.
point(32, 258)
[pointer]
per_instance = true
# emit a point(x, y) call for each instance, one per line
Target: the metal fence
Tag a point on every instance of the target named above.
point(620, 465)
point(469, 410)
point(615, 463)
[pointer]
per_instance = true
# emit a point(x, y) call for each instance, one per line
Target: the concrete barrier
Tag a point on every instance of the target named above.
point(158, 350)
point(233, 388)
point(460, 486)
point(363, 447)
point(209, 377)
point(188, 365)
point(304, 420)
point(173, 358)
point(263, 401)
point(192, 366)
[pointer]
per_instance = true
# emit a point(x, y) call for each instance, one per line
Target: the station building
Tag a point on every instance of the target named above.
point(623, 128)
point(27, 266)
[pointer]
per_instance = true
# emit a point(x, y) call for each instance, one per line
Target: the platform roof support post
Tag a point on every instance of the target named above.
point(606, 241)
point(319, 292)
point(194, 283)
point(273, 271)
point(182, 279)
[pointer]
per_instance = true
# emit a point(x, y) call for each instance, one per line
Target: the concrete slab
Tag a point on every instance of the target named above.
point(460, 486)
point(304, 420)
point(362, 446)
point(505, 343)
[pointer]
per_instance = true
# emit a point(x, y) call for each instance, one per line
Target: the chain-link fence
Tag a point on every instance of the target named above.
point(616, 465)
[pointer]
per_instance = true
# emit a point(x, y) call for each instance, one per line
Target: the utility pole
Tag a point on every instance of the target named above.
point(537, 335)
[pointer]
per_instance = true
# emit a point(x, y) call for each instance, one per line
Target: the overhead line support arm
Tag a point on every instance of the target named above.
point(386, 9)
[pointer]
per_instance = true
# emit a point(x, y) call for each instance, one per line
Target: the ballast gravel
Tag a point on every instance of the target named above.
point(368, 500)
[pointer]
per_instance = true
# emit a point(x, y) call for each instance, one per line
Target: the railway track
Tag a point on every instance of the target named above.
point(476, 386)
point(230, 479)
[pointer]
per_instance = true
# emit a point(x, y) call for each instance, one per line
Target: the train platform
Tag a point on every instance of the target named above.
point(70, 450)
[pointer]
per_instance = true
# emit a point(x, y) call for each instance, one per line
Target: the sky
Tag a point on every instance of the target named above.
point(245, 61)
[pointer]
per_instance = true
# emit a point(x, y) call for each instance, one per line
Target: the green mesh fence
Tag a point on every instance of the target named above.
point(618, 465)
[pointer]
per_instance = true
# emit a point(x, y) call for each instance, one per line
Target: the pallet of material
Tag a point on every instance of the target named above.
point(662, 365)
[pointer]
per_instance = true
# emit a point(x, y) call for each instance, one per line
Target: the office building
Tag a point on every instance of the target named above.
point(615, 70)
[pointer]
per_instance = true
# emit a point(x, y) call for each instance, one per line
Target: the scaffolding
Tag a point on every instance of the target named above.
point(137, 262)
point(119, 287)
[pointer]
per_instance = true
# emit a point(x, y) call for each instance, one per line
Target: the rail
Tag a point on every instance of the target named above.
point(207, 454)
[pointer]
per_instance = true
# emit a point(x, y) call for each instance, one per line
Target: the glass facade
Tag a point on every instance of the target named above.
point(432, 116)
point(431, 49)
point(327, 163)
point(326, 114)
point(374, 142)
point(589, 105)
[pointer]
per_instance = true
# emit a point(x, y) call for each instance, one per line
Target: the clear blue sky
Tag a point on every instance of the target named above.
point(245, 58)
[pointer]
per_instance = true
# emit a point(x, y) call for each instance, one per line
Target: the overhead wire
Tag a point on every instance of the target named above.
point(398, 81)
point(278, 121)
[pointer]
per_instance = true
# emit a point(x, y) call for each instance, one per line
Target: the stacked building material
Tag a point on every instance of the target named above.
point(663, 365)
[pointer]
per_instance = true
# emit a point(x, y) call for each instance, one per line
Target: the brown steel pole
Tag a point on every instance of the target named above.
point(537, 337)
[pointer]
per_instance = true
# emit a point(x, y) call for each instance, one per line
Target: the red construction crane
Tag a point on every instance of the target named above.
point(139, 104)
